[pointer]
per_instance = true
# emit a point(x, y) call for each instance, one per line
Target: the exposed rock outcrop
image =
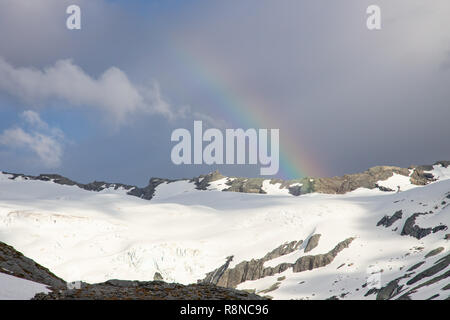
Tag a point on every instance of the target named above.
point(410, 228)
point(434, 252)
point(317, 261)
point(420, 177)
point(215, 276)
point(389, 221)
point(254, 269)
point(335, 185)
point(157, 277)
point(390, 290)
point(394, 290)
point(312, 242)
point(439, 265)
point(417, 265)
point(253, 185)
point(248, 270)
point(367, 179)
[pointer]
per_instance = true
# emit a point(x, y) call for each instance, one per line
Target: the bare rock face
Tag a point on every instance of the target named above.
point(413, 230)
point(421, 178)
point(283, 250)
point(157, 277)
point(14, 263)
point(247, 270)
point(367, 179)
point(387, 221)
point(429, 274)
point(215, 276)
point(393, 289)
point(434, 252)
point(312, 262)
point(444, 163)
point(251, 185)
point(254, 269)
point(312, 242)
point(410, 228)
point(441, 264)
point(388, 291)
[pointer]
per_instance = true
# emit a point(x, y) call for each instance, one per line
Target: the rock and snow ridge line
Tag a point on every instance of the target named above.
point(383, 178)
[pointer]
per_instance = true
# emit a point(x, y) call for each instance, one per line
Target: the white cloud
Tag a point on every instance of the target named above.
point(45, 142)
point(111, 92)
point(34, 119)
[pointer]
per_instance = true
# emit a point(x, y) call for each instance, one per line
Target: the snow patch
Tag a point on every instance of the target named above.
point(397, 180)
point(440, 172)
point(220, 184)
point(168, 190)
point(13, 288)
point(274, 188)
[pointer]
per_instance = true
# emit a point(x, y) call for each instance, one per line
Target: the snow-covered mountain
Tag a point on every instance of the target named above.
point(350, 237)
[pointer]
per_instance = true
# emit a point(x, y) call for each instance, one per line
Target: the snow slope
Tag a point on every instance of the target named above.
point(13, 288)
point(397, 180)
point(184, 233)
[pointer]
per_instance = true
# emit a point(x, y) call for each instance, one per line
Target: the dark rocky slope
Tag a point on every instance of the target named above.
point(254, 269)
point(396, 291)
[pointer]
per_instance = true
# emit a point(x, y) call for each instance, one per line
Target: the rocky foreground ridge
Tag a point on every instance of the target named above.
point(418, 175)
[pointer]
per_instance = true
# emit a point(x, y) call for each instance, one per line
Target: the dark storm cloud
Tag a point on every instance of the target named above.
point(355, 98)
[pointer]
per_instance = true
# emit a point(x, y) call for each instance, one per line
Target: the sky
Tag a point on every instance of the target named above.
point(101, 103)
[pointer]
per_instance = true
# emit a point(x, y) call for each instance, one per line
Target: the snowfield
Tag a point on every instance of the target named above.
point(13, 288)
point(184, 233)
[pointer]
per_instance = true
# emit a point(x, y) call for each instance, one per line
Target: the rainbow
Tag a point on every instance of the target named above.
point(244, 110)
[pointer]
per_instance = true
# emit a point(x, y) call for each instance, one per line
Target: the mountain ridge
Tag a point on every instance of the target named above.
point(327, 185)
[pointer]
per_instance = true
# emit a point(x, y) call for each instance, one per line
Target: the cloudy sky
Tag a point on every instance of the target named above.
point(100, 103)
